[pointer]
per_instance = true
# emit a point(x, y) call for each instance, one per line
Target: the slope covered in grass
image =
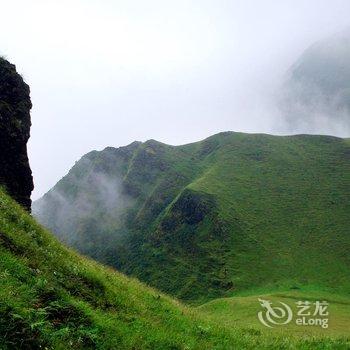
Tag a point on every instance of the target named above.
point(226, 214)
point(52, 298)
point(242, 311)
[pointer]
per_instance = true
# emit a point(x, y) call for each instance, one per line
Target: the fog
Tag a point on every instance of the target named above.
point(106, 73)
point(100, 195)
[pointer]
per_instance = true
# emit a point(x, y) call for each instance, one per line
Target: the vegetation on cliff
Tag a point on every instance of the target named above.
point(227, 214)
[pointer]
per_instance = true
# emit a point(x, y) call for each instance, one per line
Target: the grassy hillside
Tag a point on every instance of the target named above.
point(241, 311)
point(52, 298)
point(231, 213)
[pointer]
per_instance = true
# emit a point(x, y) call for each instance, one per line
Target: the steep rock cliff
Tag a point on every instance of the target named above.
point(15, 105)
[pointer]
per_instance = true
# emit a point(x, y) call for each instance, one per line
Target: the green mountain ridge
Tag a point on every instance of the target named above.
point(230, 213)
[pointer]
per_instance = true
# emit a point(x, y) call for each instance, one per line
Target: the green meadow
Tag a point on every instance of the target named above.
point(53, 298)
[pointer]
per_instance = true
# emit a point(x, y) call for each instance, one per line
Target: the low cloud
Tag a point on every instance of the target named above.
point(80, 198)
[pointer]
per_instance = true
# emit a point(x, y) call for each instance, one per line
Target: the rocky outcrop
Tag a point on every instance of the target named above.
point(15, 105)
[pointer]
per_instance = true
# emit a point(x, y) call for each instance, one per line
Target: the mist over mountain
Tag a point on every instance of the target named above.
point(315, 96)
point(229, 213)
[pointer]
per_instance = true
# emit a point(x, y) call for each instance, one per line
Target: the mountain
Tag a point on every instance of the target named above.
point(316, 92)
point(232, 213)
point(15, 105)
point(53, 298)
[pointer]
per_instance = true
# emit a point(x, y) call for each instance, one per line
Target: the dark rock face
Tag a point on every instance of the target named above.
point(15, 105)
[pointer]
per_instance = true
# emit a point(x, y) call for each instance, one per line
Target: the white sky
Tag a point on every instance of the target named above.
point(106, 73)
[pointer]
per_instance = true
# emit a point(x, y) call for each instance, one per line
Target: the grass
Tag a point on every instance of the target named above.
point(221, 216)
point(53, 298)
point(242, 311)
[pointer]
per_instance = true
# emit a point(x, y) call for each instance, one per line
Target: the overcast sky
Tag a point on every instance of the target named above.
point(108, 72)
